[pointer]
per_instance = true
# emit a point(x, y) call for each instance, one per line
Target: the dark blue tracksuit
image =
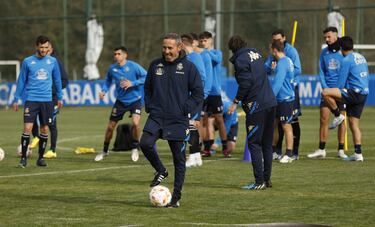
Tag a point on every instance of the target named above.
point(173, 90)
point(258, 102)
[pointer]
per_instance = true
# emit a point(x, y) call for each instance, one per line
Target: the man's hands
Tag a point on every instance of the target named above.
point(126, 84)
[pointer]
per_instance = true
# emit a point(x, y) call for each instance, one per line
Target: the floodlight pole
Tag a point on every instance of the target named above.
point(218, 25)
point(65, 30)
point(203, 16)
point(122, 41)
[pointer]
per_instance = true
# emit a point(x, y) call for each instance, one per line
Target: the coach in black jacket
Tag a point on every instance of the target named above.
point(258, 102)
point(173, 90)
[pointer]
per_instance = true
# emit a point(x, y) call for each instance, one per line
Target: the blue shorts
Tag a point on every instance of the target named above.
point(284, 112)
point(44, 110)
point(119, 109)
point(354, 102)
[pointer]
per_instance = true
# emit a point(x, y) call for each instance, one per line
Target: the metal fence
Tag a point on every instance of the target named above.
point(141, 24)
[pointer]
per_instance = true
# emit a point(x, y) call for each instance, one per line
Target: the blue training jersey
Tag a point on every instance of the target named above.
point(292, 53)
point(36, 78)
point(197, 60)
point(217, 58)
point(282, 84)
point(329, 68)
point(130, 71)
point(207, 61)
point(354, 73)
point(229, 119)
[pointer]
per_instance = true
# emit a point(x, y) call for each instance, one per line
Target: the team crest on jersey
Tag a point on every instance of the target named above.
point(48, 62)
point(27, 110)
point(127, 69)
point(159, 69)
point(115, 70)
point(33, 62)
point(179, 68)
point(42, 74)
point(333, 64)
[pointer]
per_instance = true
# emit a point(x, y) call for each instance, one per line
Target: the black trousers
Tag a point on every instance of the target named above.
point(147, 143)
point(259, 128)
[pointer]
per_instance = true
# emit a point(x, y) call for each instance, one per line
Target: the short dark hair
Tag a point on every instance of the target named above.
point(279, 31)
point(277, 45)
point(235, 43)
point(194, 35)
point(346, 43)
point(330, 29)
point(205, 35)
point(122, 48)
point(187, 38)
point(173, 36)
point(41, 40)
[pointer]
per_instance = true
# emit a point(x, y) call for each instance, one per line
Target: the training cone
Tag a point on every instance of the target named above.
point(246, 154)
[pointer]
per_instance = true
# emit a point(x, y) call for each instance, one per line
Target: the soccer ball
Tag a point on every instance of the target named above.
point(28, 153)
point(2, 154)
point(160, 196)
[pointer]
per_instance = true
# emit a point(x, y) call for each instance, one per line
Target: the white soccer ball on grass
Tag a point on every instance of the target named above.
point(2, 154)
point(160, 196)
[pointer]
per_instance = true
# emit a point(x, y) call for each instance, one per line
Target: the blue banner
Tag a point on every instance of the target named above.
point(86, 93)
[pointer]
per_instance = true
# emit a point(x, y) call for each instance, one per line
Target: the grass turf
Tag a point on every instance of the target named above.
point(75, 191)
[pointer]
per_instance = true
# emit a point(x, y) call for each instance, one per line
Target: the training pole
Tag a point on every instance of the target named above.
point(294, 32)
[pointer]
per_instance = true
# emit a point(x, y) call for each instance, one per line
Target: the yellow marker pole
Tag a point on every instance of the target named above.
point(294, 32)
point(346, 121)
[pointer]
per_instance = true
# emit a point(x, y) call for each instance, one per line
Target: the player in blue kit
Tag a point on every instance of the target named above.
point(258, 102)
point(283, 89)
point(353, 88)
point(38, 73)
point(128, 77)
point(173, 91)
point(214, 104)
point(194, 158)
point(270, 65)
point(329, 65)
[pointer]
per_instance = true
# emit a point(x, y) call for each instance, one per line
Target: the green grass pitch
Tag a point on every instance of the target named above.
point(75, 191)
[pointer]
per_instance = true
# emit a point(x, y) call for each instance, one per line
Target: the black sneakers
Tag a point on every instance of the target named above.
point(41, 162)
point(173, 204)
point(159, 177)
point(268, 184)
point(23, 163)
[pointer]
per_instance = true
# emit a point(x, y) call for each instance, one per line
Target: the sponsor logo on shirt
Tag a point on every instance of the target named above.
point(333, 64)
point(41, 74)
point(48, 62)
point(33, 63)
point(115, 70)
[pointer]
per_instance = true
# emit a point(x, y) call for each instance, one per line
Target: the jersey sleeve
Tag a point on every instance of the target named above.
point(141, 75)
point(322, 71)
point(108, 80)
point(21, 82)
point(56, 77)
point(344, 72)
point(281, 71)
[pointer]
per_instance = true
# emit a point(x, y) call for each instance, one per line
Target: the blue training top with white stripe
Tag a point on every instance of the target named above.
point(217, 58)
point(354, 73)
point(130, 71)
point(329, 68)
point(282, 85)
point(197, 60)
point(36, 78)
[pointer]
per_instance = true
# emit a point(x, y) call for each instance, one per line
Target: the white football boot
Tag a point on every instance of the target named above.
point(341, 154)
point(135, 154)
point(100, 156)
point(337, 121)
point(286, 159)
point(320, 153)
